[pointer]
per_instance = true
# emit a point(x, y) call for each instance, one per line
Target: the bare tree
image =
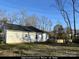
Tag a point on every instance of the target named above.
point(50, 24)
point(17, 17)
point(64, 13)
point(31, 21)
point(2, 14)
point(13, 18)
point(45, 23)
point(73, 5)
point(23, 17)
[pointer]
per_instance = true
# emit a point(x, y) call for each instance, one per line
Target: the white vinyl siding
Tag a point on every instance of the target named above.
point(15, 36)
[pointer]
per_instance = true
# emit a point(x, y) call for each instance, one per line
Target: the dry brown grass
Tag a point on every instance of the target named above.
point(37, 50)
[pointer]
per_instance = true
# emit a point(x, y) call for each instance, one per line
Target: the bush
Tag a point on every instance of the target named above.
point(76, 40)
point(2, 42)
point(0, 30)
point(51, 40)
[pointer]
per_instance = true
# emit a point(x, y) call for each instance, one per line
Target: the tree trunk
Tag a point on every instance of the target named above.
point(73, 1)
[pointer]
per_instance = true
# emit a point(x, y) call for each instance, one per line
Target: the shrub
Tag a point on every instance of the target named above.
point(76, 40)
point(51, 41)
point(0, 30)
point(2, 42)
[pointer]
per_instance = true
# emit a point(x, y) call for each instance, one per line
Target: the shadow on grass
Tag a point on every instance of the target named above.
point(27, 46)
point(22, 49)
point(61, 44)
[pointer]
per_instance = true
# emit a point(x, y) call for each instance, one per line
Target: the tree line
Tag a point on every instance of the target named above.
point(22, 18)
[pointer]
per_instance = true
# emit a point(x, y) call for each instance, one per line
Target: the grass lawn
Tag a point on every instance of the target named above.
point(34, 49)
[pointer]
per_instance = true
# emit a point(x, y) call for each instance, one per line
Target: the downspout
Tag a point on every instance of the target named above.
point(29, 37)
point(36, 37)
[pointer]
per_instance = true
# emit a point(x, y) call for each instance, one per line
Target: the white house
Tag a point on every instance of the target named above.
point(14, 34)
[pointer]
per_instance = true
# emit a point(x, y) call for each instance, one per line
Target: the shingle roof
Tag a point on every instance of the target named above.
point(22, 28)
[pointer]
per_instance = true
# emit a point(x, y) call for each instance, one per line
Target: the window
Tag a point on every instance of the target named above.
point(36, 36)
point(25, 35)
